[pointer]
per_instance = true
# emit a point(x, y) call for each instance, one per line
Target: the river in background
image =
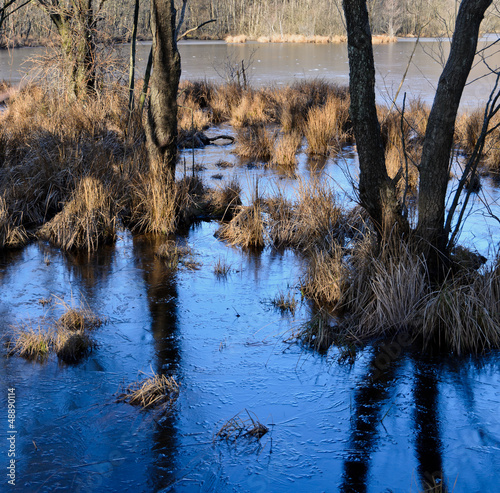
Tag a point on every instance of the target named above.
point(332, 426)
point(283, 63)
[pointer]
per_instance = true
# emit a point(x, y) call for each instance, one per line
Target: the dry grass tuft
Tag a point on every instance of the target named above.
point(254, 108)
point(87, 220)
point(379, 39)
point(31, 343)
point(285, 152)
point(317, 333)
point(223, 200)
point(152, 392)
point(237, 427)
point(327, 127)
point(11, 236)
point(73, 345)
point(221, 269)
point(327, 276)
point(246, 229)
point(464, 316)
point(256, 142)
point(284, 302)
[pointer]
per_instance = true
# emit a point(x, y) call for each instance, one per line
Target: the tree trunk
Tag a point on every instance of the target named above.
point(434, 166)
point(76, 30)
point(377, 192)
point(161, 129)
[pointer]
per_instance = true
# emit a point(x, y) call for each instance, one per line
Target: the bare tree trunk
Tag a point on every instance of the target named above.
point(161, 129)
point(376, 190)
point(75, 26)
point(434, 166)
point(131, 76)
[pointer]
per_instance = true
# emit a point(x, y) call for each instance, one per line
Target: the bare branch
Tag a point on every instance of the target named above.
point(195, 29)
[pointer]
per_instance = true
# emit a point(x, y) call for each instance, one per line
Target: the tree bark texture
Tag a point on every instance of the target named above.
point(162, 113)
point(435, 162)
point(376, 190)
point(75, 26)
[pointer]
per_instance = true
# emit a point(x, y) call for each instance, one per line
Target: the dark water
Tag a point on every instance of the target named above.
point(333, 427)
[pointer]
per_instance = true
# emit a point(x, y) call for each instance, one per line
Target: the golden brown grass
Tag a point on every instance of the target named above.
point(246, 229)
point(69, 336)
point(383, 39)
point(254, 108)
point(239, 38)
point(152, 392)
point(86, 221)
point(221, 268)
point(285, 152)
point(285, 302)
point(256, 142)
point(326, 128)
point(31, 342)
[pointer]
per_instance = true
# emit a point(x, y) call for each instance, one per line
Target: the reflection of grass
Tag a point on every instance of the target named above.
point(155, 390)
point(174, 255)
point(242, 427)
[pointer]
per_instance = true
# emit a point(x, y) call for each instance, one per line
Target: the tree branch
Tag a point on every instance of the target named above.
point(195, 28)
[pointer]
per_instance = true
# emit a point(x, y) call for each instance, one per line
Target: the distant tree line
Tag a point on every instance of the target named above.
point(254, 18)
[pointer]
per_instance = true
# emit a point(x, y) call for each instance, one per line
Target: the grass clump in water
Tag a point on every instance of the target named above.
point(154, 391)
point(221, 269)
point(30, 342)
point(240, 426)
point(284, 302)
point(87, 220)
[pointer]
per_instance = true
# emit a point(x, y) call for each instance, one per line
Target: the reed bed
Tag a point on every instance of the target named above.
point(157, 390)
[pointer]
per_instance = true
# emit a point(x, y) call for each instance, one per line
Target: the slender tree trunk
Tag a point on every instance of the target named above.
point(131, 76)
point(161, 129)
point(434, 166)
point(377, 192)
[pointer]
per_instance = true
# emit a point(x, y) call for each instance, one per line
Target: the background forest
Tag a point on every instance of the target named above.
point(30, 25)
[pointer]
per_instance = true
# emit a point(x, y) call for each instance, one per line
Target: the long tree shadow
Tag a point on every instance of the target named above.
point(370, 397)
point(428, 445)
point(161, 288)
point(369, 400)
